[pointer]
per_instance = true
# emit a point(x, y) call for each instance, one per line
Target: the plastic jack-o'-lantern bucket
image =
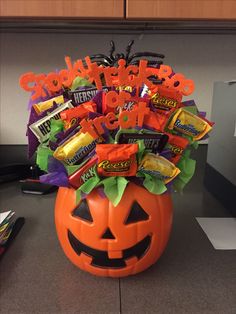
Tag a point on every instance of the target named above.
point(113, 241)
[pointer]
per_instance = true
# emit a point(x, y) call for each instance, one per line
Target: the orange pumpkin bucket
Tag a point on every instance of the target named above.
point(113, 241)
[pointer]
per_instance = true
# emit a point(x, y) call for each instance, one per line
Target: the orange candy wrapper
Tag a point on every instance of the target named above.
point(117, 159)
point(71, 116)
point(155, 121)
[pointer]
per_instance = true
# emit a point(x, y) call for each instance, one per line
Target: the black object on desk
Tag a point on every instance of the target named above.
point(18, 224)
point(34, 186)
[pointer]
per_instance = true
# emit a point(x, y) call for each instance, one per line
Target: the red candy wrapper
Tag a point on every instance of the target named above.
point(117, 159)
point(177, 145)
point(83, 174)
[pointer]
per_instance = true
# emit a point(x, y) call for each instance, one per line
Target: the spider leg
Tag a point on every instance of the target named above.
point(128, 49)
point(145, 54)
point(112, 44)
point(100, 57)
point(151, 63)
point(98, 61)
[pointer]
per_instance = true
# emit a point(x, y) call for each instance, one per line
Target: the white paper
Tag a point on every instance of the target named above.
point(4, 215)
point(220, 231)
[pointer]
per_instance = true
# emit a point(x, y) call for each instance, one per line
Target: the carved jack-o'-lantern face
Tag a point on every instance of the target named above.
point(113, 241)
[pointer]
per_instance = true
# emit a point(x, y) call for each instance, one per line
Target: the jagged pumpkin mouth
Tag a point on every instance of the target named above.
point(101, 259)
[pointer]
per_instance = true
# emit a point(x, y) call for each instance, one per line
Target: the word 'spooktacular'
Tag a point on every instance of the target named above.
point(130, 75)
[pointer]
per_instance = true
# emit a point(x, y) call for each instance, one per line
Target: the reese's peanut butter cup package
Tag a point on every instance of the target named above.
point(165, 100)
point(117, 159)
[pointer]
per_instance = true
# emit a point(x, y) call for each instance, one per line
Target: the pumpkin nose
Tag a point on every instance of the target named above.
point(108, 234)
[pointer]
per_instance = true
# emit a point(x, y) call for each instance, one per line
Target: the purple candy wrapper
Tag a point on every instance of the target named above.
point(188, 103)
point(57, 174)
point(98, 101)
point(202, 114)
point(167, 153)
point(52, 145)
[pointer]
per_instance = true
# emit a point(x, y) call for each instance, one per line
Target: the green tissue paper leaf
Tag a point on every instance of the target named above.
point(191, 109)
point(195, 145)
point(56, 127)
point(187, 168)
point(79, 82)
point(78, 196)
point(152, 183)
point(114, 188)
point(90, 184)
point(43, 153)
point(141, 150)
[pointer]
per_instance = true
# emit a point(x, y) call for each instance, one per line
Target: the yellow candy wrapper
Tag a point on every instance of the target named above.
point(159, 167)
point(77, 142)
point(45, 105)
point(187, 123)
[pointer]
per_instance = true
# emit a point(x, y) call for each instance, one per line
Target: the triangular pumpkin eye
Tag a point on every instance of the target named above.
point(136, 214)
point(83, 211)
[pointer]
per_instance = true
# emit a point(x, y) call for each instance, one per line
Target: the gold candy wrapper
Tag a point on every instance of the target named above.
point(187, 123)
point(77, 142)
point(159, 166)
point(42, 127)
point(45, 105)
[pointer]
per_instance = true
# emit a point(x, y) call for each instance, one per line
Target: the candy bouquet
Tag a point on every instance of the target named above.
point(106, 122)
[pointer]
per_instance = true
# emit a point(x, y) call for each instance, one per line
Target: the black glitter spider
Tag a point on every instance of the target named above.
point(112, 59)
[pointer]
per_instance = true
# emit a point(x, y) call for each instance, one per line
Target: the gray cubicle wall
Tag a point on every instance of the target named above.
point(220, 178)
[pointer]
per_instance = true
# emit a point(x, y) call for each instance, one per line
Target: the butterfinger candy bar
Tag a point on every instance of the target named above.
point(187, 123)
point(85, 152)
point(86, 172)
point(72, 116)
point(155, 142)
point(117, 159)
point(45, 105)
point(159, 166)
point(72, 145)
point(177, 145)
point(42, 127)
point(83, 95)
